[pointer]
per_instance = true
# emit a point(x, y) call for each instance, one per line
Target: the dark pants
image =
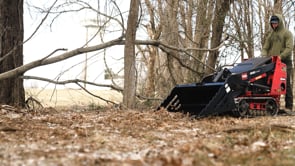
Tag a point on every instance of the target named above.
point(289, 90)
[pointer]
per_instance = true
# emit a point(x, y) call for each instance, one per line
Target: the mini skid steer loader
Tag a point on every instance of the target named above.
point(251, 88)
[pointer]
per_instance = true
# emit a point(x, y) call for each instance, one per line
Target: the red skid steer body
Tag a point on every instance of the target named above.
point(248, 89)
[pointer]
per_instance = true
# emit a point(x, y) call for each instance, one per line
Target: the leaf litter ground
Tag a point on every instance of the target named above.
point(133, 137)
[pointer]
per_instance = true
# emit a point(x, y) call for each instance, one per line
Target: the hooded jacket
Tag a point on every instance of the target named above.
point(279, 42)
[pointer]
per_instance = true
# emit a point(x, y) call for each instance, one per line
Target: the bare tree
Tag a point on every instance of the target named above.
point(170, 35)
point(129, 56)
point(221, 9)
point(205, 12)
point(242, 17)
point(11, 51)
point(154, 30)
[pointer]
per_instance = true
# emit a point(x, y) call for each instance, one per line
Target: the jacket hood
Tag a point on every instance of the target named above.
point(281, 22)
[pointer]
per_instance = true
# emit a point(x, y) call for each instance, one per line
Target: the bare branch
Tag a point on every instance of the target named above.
point(41, 23)
point(77, 81)
point(42, 62)
point(53, 52)
point(158, 43)
point(78, 51)
point(107, 101)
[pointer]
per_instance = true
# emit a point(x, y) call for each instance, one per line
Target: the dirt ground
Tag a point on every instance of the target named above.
point(74, 129)
point(146, 137)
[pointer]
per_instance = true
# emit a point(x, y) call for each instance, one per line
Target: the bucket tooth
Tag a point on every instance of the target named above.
point(171, 102)
point(178, 107)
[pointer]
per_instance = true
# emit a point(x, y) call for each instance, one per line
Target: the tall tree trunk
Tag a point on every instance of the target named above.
point(151, 72)
point(248, 12)
point(11, 32)
point(170, 36)
point(129, 57)
point(205, 13)
point(221, 9)
point(154, 32)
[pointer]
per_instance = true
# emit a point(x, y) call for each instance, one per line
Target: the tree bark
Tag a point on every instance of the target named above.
point(278, 6)
point(170, 36)
point(153, 32)
point(205, 13)
point(221, 9)
point(129, 57)
point(11, 32)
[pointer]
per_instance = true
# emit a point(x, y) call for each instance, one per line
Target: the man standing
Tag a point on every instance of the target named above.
point(280, 42)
